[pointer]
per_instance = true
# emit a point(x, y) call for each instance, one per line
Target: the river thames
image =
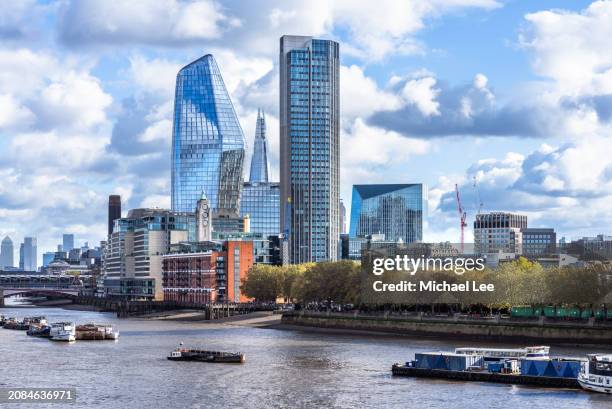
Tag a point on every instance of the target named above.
point(284, 369)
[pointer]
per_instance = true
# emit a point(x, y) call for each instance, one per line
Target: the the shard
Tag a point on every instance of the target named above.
point(259, 162)
point(208, 144)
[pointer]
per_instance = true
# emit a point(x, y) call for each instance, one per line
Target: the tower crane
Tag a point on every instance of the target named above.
point(462, 216)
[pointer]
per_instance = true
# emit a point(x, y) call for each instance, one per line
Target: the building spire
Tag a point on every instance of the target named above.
point(259, 161)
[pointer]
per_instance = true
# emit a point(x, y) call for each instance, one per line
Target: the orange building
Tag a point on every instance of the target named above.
point(239, 260)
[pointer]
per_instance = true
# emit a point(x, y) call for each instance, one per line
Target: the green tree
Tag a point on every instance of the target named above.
point(263, 283)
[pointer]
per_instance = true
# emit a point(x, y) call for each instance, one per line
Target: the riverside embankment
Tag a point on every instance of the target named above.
point(458, 327)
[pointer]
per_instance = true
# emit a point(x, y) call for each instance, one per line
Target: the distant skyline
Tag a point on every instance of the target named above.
point(516, 94)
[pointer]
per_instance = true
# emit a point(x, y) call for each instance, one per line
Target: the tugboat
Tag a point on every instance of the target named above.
point(596, 374)
point(39, 330)
point(63, 331)
point(200, 355)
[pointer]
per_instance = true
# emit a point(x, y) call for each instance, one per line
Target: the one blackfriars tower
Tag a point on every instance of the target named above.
point(310, 147)
point(208, 144)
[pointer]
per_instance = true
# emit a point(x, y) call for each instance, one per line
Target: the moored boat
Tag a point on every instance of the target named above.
point(63, 331)
point(24, 325)
point(94, 332)
point(39, 330)
point(596, 373)
point(200, 355)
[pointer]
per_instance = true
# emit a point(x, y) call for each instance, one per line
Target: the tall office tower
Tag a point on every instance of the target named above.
point(114, 211)
point(6, 253)
point(207, 141)
point(310, 147)
point(259, 162)
point(21, 259)
point(393, 210)
point(203, 220)
point(342, 217)
point(29, 254)
point(499, 232)
point(68, 242)
point(260, 198)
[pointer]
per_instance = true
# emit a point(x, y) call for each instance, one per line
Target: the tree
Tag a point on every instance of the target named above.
point(263, 283)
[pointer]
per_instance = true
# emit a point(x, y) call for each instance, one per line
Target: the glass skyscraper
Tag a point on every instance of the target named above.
point(310, 147)
point(261, 198)
point(207, 141)
point(394, 210)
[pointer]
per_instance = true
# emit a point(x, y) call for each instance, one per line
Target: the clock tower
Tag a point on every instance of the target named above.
point(203, 220)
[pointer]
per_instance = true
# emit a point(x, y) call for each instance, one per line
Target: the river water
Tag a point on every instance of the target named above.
point(284, 369)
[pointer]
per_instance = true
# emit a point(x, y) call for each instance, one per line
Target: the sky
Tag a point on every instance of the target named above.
point(510, 100)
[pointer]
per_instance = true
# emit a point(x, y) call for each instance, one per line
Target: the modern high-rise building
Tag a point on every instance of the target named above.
point(114, 211)
point(342, 217)
point(499, 232)
point(67, 242)
point(261, 198)
point(6, 253)
point(29, 254)
point(394, 212)
point(21, 257)
point(48, 257)
point(310, 147)
point(259, 162)
point(208, 144)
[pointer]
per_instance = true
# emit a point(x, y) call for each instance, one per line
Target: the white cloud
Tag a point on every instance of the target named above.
point(360, 95)
point(13, 115)
point(567, 187)
point(170, 22)
point(573, 48)
point(422, 93)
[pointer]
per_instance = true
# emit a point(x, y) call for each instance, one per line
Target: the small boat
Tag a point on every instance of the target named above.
point(200, 355)
point(596, 374)
point(63, 331)
point(39, 330)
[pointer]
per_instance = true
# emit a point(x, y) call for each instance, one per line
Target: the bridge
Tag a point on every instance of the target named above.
point(41, 285)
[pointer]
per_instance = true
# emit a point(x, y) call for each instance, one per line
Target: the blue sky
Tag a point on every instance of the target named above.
point(515, 95)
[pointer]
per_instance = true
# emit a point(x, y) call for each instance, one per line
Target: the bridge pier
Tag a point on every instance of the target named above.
point(1, 297)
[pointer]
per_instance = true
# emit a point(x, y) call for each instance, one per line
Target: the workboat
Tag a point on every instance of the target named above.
point(63, 331)
point(596, 373)
point(94, 332)
point(499, 354)
point(39, 330)
point(190, 354)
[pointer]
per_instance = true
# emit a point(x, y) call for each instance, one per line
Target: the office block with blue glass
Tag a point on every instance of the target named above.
point(393, 210)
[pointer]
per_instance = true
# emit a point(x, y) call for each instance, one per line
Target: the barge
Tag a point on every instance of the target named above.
point(484, 376)
point(200, 355)
point(96, 332)
point(525, 366)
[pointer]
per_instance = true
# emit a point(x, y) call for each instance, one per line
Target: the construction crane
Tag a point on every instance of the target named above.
point(462, 216)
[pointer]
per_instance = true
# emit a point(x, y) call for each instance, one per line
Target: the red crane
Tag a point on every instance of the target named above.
point(462, 216)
